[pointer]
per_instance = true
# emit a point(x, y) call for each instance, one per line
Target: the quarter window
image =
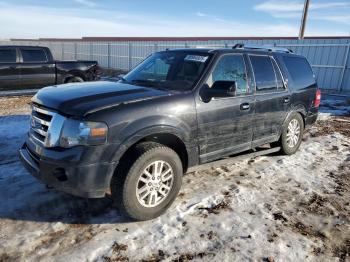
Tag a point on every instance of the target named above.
point(33, 55)
point(7, 55)
point(300, 72)
point(231, 68)
point(265, 78)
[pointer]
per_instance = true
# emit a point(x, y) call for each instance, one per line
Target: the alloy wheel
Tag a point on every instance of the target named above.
point(293, 133)
point(155, 183)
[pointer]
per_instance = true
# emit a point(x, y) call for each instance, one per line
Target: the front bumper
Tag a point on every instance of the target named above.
point(67, 171)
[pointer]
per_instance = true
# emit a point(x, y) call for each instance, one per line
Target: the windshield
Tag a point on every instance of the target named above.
point(169, 70)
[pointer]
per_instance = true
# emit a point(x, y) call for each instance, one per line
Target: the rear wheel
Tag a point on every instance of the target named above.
point(148, 182)
point(292, 134)
point(75, 79)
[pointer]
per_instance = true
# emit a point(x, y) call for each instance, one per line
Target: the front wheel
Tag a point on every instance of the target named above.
point(148, 182)
point(292, 134)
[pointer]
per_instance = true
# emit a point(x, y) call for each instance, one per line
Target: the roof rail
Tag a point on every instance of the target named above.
point(270, 48)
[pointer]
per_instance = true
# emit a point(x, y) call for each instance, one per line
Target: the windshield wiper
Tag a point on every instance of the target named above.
point(149, 83)
point(143, 82)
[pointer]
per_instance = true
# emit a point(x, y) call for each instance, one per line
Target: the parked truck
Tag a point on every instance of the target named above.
point(31, 67)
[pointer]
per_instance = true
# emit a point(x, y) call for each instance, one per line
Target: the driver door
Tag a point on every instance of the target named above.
point(225, 125)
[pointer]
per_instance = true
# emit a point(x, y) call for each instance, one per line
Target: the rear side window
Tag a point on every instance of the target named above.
point(300, 72)
point(265, 78)
point(7, 55)
point(33, 55)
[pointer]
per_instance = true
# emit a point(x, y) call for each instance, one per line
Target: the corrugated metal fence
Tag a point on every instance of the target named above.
point(330, 58)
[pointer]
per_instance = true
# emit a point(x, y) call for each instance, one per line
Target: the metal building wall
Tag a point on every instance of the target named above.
point(330, 58)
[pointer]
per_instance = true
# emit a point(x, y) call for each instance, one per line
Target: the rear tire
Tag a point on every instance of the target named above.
point(292, 134)
point(75, 79)
point(148, 181)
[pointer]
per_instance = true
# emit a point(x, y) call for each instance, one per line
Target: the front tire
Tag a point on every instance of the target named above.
point(148, 182)
point(292, 134)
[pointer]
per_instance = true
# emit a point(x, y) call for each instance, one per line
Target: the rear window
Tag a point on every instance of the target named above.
point(300, 72)
point(33, 55)
point(7, 55)
point(265, 78)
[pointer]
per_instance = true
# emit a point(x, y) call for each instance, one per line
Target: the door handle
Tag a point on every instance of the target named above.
point(245, 106)
point(286, 100)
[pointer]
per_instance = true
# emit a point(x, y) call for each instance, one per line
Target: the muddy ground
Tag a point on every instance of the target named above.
point(14, 105)
point(270, 208)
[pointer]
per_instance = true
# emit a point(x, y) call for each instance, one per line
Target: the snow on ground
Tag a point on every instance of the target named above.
point(270, 208)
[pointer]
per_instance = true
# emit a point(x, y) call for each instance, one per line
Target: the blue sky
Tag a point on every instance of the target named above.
point(77, 18)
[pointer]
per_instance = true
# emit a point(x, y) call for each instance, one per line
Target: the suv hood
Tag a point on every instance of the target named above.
point(80, 99)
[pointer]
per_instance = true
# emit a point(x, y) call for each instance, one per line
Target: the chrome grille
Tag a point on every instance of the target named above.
point(45, 126)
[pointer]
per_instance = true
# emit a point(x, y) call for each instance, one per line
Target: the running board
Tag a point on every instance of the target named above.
point(232, 160)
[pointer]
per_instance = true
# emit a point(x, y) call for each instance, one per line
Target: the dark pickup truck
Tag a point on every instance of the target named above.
point(23, 67)
point(176, 110)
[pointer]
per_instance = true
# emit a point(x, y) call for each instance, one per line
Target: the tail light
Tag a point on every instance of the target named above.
point(317, 100)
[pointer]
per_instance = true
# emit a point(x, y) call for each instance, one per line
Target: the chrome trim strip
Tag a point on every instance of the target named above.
point(54, 130)
point(54, 127)
point(43, 122)
point(39, 131)
point(35, 138)
point(43, 111)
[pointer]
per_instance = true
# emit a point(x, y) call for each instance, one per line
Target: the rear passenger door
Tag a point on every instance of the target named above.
point(272, 101)
point(9, 71)
point(36, 69)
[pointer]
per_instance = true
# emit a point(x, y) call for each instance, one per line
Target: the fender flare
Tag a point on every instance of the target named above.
point(299, 109)
point(145, 132)
point(141, 134)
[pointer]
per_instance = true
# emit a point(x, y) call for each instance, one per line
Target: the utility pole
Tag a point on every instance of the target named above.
point(303, 19)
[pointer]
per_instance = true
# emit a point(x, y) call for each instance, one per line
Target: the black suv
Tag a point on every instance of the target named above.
point(177, 109)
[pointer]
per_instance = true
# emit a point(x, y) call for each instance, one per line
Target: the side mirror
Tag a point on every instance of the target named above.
point(219, 89)
point(228, 88)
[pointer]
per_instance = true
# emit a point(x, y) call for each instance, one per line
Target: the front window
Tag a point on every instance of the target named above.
point(8, 55)
point(175, 70)
point(231, 68)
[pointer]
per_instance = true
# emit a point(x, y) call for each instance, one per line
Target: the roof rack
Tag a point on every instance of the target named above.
point(270, 48)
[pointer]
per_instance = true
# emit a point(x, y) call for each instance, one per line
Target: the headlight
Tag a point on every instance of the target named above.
point(83, 133)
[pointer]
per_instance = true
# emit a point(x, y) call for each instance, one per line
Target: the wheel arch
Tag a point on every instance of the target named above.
point(74, 73)
point(168, 136)
point(300, 110)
